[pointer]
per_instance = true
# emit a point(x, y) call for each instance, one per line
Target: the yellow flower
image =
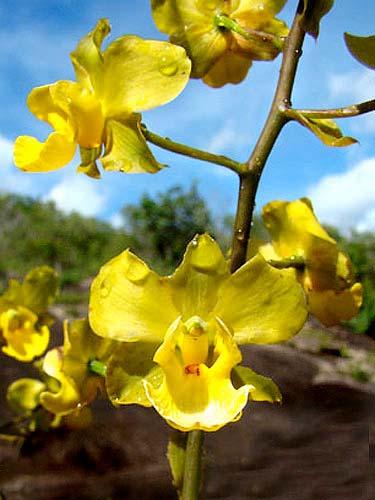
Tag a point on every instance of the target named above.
point(23, 314)
point(102, 107)
point(72, 366)
point(221, 55)
point(24, 339)
point(193, 319)
point(327, 276)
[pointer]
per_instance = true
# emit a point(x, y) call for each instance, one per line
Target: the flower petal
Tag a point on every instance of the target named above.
point(129, 302)
point(190, 24)
point(32, 155)
point(262, 388)
point(42, 105)
point(67, 398)
point(130, 365)
point(296, 231)
point(142, 74)
point(261, 304)
point(229, 68)
point(24, 341)
point(196, 281)
point(126, 148)
point(87, 57)
point(204, 400)
point(332, 307)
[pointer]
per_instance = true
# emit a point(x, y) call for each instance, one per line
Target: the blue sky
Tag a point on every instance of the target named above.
point(36, 39)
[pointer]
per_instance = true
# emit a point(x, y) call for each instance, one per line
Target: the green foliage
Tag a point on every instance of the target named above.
point(36, 233)
point(362, 48)
point(164, 225)
point(361, 249)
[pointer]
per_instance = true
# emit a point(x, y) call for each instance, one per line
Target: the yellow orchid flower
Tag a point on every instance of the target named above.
point(23, 314)
point(24, 339)
point(222, 37)
point(181, 332)
point(101, 107)
point(327, 276)
point(73, 366)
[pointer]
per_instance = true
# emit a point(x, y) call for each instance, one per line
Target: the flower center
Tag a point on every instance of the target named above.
point(194, 345)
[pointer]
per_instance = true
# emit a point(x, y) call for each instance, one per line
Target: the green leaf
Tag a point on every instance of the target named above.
point(264, 389)
point(176, 457)
point(362, 48)
point(313, 12)
point(325, 129)
point(128, 367)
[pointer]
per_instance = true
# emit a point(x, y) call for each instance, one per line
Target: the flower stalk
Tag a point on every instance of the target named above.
point(275, 122)
point(193, 465)
point(198, 154)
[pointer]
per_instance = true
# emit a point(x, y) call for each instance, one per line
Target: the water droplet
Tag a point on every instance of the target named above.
point(135, 269)
point(105, 289)
point(79, 406)
point(298, 52)
point(287, 102)
point(240, 235)
point(194, 243)
point(168, 67)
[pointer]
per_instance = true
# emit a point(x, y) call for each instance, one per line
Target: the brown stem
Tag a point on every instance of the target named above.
point(249, 180)
point(345, 112)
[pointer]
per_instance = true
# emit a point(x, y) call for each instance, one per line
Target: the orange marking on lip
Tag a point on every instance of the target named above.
point(192, 369)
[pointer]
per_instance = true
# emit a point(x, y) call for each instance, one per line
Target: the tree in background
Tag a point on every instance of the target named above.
point(162, 226)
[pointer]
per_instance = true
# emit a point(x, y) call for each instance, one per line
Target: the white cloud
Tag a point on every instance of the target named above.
point(78, 193)
point(226, 139)
point(12, 179)
point(347, 200)
point(116, 220)
point(354, 87)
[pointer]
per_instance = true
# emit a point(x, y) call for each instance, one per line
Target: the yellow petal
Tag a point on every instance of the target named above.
point(126, 148)
point(190, 24)
point(205, 399)
point(130, 365)
point(295, 230)
point(262, 388)
point(87, 57)
point(261, 304)
point(31, 155)
point(229, 68)
point(196, 281)
point(129, 302)
point(83, 109)
point(67, 398)
point(142, 74)
point(256, 13)
point(24, 341)
point(39, 288)
point(332, 307)
point(42, 105)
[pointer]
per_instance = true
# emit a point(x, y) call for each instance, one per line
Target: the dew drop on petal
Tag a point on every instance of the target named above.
point(168, 67)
